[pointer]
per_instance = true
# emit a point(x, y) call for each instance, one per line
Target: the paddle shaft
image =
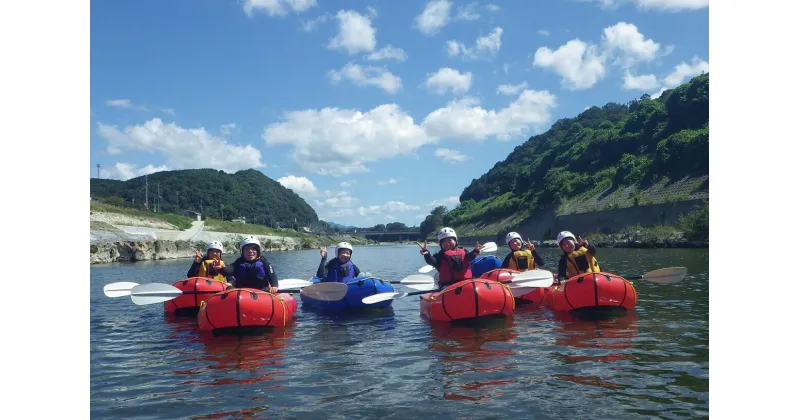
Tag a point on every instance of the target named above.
point(420, 292)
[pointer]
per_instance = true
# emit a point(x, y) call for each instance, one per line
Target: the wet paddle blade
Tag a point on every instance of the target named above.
point(150, 293)
point(666, 275)
point(531, 275)
point(122, 288)
point(325, 291)
point(421, 286)
point(426, 269)
point(380, 297)
point(489, 247)
point(417, 279)
point(293, 283)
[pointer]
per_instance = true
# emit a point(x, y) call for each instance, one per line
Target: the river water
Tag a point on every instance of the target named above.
point(650, 363)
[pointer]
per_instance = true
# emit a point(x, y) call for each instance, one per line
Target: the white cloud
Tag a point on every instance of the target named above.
point(660, 5)
point(355, 35)
point(338, 202)
point(227, 129)
point(628, 44)
point(124, 104)
point(388, 182)
point(642, 82)
point(389, 217)
point(183, 148)
point(390, 207)
point(682, 72)
point(464, 119)
point(333, 141)
point(388, 53)
point(449, 79)
point(449, 202)
point(492, 7)
point(581, 65)
point(311, 25)
point(467, 12)
point(508, 89)
point(434, 17)
point(450, 155)
point(543, 32)
point(299, 184)
point(277, 7)
point(367, 76)
point(506, 66)
point(124, 171)
point(485, 46)
point(347, 184)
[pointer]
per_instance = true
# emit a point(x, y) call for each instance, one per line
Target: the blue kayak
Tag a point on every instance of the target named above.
point(357, 289)
point(484, 264)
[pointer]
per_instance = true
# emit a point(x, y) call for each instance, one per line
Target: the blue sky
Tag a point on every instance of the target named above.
point(372, 111)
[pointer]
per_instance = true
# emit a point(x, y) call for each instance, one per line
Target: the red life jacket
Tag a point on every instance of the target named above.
point(454, 267)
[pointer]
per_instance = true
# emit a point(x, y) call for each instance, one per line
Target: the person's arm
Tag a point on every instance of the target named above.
point(321, 271)
point(506, 261)
point(538, 258)
point(193, 269)
point(591, 248)
point(473, 254)
point(270, 275)
point(562, 268)
point(356, 271)
point(431, 260)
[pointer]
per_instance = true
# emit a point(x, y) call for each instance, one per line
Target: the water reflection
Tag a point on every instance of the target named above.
point(471, 365)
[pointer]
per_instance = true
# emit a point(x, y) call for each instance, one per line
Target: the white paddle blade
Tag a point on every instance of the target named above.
point(666, 275)
point(330, 292)
point(534, 283)
point(521, 291)
point(417, 279)
point(426, 269)
point(421, 286)
point(293, 283)
point(489, 247)
point(531, 275)
point(122, 288)
point(380, 297)
point(150, 293)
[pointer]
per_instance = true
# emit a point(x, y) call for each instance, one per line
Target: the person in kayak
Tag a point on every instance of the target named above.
point(452, 261)
point(521, 259)
point(251, 269)
point(578, 256)
point(209, 266)
point(340, 269)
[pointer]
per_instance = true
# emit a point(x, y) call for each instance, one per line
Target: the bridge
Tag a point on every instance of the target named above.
point(390, 235)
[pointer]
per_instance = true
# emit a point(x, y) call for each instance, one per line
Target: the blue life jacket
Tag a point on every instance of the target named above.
point(340, 273)
point(251, 274)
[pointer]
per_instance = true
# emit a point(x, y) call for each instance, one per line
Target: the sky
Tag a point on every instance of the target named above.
point(373, 112)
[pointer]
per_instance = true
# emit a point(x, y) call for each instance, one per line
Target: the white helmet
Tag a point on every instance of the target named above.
point(215, 245)
point(511, 236)
point(344, 245)
point(250, 240)
point(564, 235)
point(447, 233)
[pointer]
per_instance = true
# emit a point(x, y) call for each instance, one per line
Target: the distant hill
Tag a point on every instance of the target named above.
point(334, 225)
point(215, 194)
point(635, 144)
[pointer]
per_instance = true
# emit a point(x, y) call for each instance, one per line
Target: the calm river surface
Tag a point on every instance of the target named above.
point(652, 363)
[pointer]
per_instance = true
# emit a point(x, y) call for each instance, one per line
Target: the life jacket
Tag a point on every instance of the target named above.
point(522, 260)
point(339, 272)
point(454, 267)
point(207, 270)
point(247, 274)
point(581, 261)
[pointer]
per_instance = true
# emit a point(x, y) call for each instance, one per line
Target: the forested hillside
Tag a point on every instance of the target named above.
point(215, 194)
point(616, 145)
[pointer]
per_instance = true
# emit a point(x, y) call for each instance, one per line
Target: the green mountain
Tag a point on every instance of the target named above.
point(215, 194)
point(636, 144)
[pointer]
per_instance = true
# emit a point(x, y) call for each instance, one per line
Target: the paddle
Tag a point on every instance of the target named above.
point(147, 294)
point(122, 288)
point(325, 291)
point(487, 247)
point(667, 275)
point(534, 279)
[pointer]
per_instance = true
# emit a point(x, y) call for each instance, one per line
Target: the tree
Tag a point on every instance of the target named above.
point(433, 221)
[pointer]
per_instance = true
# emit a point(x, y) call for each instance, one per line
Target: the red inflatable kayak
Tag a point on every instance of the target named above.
point(195, 291)
point(467, 299)
point(238, 308)
point(504, 274)
point(591, 290)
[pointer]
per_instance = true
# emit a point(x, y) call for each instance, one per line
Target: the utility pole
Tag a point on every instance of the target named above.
point(98, 171)
point(146, 192)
